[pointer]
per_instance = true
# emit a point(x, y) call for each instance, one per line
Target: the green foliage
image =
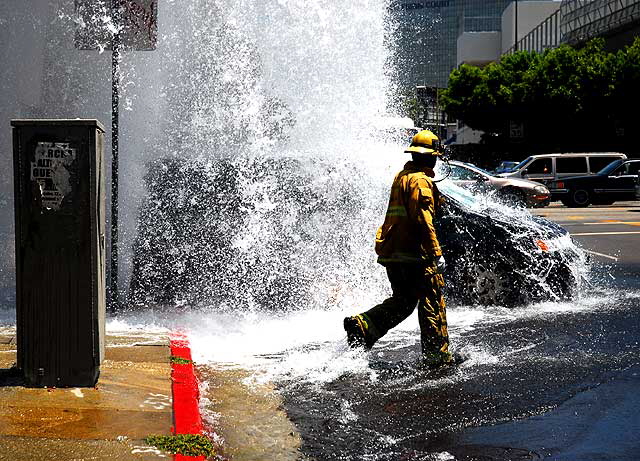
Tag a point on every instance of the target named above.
point(578, 90)
point(179, 360)
point(625, 95)
point(409, 105)
point(183, 444)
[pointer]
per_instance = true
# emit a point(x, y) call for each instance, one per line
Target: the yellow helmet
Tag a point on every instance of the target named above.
point(425, 142)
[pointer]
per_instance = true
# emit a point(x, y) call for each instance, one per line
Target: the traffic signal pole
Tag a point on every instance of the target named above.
point(116, 49)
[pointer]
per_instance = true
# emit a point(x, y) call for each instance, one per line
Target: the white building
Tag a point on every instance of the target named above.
point(482, 48)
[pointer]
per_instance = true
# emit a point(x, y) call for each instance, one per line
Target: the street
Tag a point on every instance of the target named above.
point(551, 380)
point(609, 234)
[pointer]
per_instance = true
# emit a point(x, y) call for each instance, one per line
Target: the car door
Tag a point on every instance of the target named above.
point(621, 183)
point(540, 170)
point(633, 174)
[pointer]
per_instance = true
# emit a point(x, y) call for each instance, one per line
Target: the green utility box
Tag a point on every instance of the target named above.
point(60, 250)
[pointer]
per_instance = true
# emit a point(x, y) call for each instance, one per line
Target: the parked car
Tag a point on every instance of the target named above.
point(616, 181)
point(504, 257)
point(511, 190)
point(505, 167)
point(552, 167)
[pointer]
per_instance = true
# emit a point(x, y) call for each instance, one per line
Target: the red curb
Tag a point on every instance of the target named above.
point(186, 396)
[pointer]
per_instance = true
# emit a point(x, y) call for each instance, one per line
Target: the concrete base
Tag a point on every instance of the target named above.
point(131, 400)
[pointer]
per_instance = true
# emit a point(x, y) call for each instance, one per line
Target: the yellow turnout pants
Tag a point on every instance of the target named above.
point(413, 284)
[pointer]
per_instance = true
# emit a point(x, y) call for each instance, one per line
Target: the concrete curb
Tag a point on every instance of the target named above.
point(186, 395)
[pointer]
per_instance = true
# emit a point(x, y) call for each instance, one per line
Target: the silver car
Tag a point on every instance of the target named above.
point(519, 192)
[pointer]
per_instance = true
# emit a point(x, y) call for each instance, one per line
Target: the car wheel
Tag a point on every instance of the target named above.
point(579, 198)
point(492, 284)
point(513, 197)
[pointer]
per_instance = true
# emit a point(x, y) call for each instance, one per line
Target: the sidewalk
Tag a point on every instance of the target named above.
point(131, 401)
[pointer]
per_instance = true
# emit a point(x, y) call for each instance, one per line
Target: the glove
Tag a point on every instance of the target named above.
point(441, 264)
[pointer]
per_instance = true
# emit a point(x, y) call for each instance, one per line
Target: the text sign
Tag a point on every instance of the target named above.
point(50, 169)
point(516, 129)
point(138, 21)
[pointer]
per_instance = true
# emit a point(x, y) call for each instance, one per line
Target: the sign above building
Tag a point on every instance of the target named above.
point(516, 129)
point(96, 27)
point(422, 5)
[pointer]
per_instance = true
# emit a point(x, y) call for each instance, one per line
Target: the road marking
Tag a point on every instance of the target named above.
point(601, 255)
point(605, 233)
point(602, 223)
point(575, 218)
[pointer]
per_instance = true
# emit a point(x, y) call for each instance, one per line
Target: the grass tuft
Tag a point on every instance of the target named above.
point(179, 360)
point(183, 444)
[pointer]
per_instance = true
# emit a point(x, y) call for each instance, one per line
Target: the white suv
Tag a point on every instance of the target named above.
point(550, 167)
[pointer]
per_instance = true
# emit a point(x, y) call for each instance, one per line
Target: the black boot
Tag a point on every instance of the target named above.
point(356, 335)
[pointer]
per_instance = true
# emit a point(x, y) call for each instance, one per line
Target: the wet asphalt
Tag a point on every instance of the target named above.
point(552, 382)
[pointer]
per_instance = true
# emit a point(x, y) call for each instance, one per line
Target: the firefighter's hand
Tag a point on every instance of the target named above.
point(441, 264)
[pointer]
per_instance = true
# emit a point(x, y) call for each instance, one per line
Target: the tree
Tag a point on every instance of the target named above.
point(408, 105)
point(560, 95)
point(625, 95)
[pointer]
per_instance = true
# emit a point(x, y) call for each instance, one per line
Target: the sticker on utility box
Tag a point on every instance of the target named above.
point(50, 169)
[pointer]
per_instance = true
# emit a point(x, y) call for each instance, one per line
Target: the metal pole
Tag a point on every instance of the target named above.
point(515, 34)
point(116, 47)
point(438, 117)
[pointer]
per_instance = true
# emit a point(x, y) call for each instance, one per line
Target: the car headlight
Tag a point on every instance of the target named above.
point(541, 190)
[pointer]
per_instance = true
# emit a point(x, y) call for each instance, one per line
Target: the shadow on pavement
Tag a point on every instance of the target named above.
point(11, 377)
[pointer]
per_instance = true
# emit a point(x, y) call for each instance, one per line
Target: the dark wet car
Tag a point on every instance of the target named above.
point(504, 256)
point(616, 181)
point(262, 232)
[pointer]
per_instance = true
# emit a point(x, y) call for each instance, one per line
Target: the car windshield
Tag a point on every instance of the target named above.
point(477, 202)
point(477, 168)
point(460, 194)
point(449, 188)
point(521, 164)
point(506, 166)
point(610, 167)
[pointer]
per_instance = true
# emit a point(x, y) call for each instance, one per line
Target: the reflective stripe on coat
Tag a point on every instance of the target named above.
point(408, 234)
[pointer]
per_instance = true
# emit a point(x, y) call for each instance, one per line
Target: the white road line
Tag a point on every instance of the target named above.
point(628, 223)
point(573, 223)
point(604, 233)
point(601, 255)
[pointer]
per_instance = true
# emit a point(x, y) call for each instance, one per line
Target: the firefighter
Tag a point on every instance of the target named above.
point(408, 247)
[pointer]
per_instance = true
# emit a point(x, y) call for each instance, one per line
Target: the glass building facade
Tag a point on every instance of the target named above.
point(582, 20)
point(427, 32)
point(425, 41)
